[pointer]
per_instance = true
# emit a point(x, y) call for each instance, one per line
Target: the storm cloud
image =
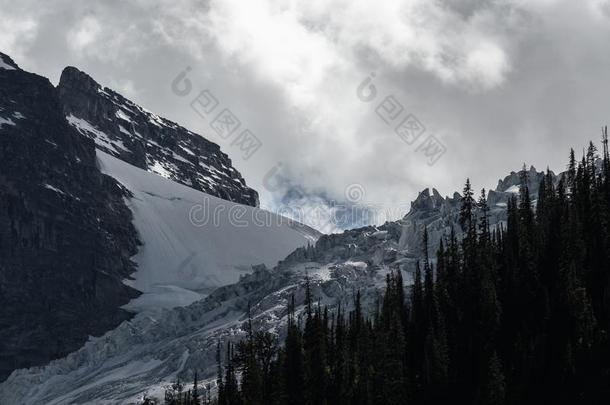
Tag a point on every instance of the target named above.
point(495, 83)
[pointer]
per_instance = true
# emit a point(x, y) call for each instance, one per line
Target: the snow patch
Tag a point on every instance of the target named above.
point(123, 130)
point(187, 150)
point(6, 121)
point(360, 265)
point(85, 128)
point(180, 158)
point(158, 168)
point(50, 187)
point(4, 65)
point(120, 114)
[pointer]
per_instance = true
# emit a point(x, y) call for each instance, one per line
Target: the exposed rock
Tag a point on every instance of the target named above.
point(66, 236)
point(440, 215)
point(511, 182)
point(137, 136)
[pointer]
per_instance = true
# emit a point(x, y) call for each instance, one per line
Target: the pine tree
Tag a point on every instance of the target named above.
point(195, 400)
point(222, 398)
point(293, 372)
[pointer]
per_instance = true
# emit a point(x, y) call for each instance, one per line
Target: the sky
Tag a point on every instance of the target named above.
point(355, 103)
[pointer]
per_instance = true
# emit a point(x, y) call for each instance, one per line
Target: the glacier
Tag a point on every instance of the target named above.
point(193, 242)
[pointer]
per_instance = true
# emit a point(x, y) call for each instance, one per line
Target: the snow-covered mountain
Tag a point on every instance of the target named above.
point(205, 251)
point(192, 240)
point(72, 235)
point(147, 353)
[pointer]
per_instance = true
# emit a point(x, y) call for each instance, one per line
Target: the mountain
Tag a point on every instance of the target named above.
point(146, 354)
point(107, 209)
point(131, 225)
point(173, 175)
point(440, 214)
point(129, 132)
point(66, 235)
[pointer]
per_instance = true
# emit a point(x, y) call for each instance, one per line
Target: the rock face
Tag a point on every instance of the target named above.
point(123, 129)
point(66, 236)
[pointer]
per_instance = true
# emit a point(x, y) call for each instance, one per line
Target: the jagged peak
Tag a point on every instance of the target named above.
point(428, 200)
point(73, 77)
point(139, 137)
point(513, 180)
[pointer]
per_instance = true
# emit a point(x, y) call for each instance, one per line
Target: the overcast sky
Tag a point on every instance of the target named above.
point(497, 83)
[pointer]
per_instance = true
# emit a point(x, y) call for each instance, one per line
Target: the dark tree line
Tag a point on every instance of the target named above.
point(517, 314)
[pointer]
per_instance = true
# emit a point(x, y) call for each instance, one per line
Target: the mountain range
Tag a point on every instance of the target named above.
point(114, 286)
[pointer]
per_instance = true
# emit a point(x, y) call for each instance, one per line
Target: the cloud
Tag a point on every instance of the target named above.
point(497, 82)
point(85, 34)
point(16, 34)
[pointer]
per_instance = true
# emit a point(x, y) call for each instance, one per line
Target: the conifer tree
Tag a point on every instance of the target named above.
point(195, 399)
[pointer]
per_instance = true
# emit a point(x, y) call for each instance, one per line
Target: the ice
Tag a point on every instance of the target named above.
point(194, 242)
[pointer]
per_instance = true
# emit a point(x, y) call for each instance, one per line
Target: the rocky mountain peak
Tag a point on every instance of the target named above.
point(440, 215)
point(72, 79)
point(139, 137)
point(425, 200)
